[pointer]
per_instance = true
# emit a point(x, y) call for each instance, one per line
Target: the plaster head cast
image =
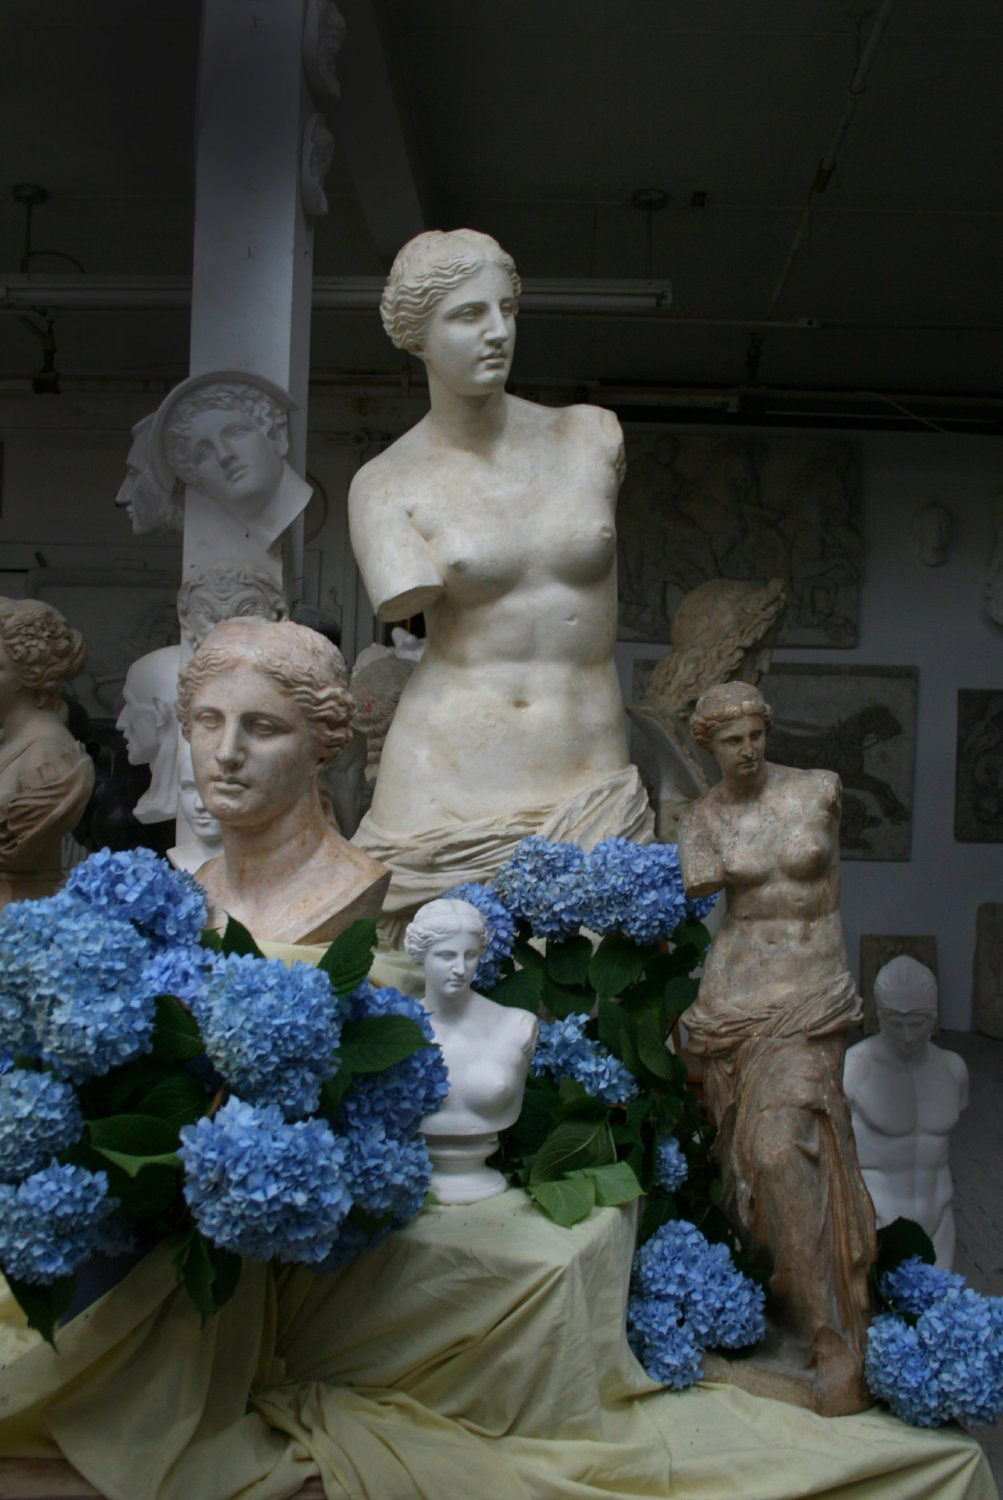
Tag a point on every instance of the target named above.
point(227, 591)
point(226, 434)
point(932, 527)
point(447, 938)
point(905, 997)
point(152, 505)
point(731, 720)
point(265, 706)
point(151, 733)
point(451, 299)
point(205, 835)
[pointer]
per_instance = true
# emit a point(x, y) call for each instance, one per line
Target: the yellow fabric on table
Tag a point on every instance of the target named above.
point(478, 1353)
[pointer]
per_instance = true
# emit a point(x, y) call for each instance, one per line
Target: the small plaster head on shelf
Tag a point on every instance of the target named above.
point(152, 504)
point(226, 434)
point(932, 528)
point(227, 591)
point(905, 998)
point(151, 733)
point(265, 706)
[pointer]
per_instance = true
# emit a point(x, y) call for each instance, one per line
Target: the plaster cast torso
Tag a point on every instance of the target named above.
point(486, 1048)
point(510, 550)
point(903, 1113)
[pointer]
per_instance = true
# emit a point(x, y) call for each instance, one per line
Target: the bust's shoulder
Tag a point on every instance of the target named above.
point(380, 478)
point(823, 786)
point(581, 422)
point(859, 1065)
point(952, 1064)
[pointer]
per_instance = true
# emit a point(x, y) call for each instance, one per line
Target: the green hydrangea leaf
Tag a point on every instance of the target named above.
point(571, 1144)
point(374, 1043)
point(615, 964)
point(210, 1275)
point(43, 1306)
point(522, 989)
point(568, 961)
point(567, 1201)
point(179, 1100)
point(349, 958)
point(237, 939)
point(176, 1036)
point(615, 1183)
point(133, 1134)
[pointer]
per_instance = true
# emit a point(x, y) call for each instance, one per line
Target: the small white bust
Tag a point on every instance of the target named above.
point(905, 1097)
point(207, 840)
point(487, 1049)
point(152, 506)
point(151, 731)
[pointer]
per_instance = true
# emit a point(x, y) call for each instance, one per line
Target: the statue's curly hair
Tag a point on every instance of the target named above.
point(304, 664)
point(724, 702)
point(428, 267)
point(44, 650)
point(713, 628)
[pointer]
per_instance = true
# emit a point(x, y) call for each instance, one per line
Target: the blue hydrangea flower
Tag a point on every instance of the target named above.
point(635, 889)
point(26, 930)
point(500, 925)
point(178, 971)
point(682, 1281)
point(898, 1372)
point(400, 1096)
point(138, 886)
point(271, 1031)
point(671, 1168)
point(386, 1175)
point(39, 1117)
point(700, 907)
point(52, 1222)
point(545, 884)
point(564, 1051)
point(914, 1285)
point(263, 1187)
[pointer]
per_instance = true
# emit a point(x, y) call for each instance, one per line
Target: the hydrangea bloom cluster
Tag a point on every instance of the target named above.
point(178, 971)
point(545, 885)
point(137, 886)
point(401, 1095)
point(52, 1221)
point(635, 889)
point(26, 929)
point(671, 1168)
point(271, 1031)
point(263, 1187)
point(564, 1051)
point(499, 923)
point(39, 1117)
point(689, 1296)
point(386, 1175)
point(943, 1360)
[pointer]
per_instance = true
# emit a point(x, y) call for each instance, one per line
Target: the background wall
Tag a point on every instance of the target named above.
point(63, 460)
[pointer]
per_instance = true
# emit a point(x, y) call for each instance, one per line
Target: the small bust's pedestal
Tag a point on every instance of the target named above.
point(458, 1171)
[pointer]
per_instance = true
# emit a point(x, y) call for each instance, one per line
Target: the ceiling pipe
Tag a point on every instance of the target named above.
point(827, 165)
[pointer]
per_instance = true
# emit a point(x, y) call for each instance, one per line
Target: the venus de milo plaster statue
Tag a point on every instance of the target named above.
point(265, 705)
point(487, 1049)
point(905, 1098)
point(775, 1003)
point(46, 776)
point(495, 517)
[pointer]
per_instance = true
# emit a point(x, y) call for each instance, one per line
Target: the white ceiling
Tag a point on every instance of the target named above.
point(537, 120)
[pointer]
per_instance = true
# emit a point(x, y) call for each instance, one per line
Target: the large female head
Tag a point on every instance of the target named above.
point(265, 704)
point(447, 938)
point(429, 267)
point(226, 434)
point(38, 651)
point(723, 628)
point(730, 720)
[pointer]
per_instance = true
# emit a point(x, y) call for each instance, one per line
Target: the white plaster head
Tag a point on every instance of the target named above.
point(724, 703)
point(147, 717)
point(905, 997)
point(225, 433)
point(38, 651)
point(316, 156)
point(724, 628)
point(446, 938)
point(323, 38)
point(227, 591)
point(152, 506)
point(429, 267)
point(932, 527)
point(198, 817)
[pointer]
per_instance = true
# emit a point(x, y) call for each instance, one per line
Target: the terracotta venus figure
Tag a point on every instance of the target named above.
point(486, 1047)
point(495, 517)
point(905, 1099)
point(265, 706)
point(46, 776)
point(775, 1003)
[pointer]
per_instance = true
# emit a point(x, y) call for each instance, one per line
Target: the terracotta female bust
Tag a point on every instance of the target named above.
point(46, 776)
point(495, 517)
point(265, 706)
point(487, 1049)
point(775, 1003)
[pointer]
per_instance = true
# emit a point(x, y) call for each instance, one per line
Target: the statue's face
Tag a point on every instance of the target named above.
point(140, 494)
point(739, 747)
point(451, 962)
point(907, 1031)
point(470, 335)
point(235, 462)
point(207, 609)
point(140, 722)
point(254, 753)
point(200, 819)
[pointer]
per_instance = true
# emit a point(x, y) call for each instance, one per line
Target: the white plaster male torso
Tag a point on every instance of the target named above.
point(905, 1098)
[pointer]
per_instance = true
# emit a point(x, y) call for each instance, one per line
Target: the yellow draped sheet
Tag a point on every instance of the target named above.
point(478, 1354)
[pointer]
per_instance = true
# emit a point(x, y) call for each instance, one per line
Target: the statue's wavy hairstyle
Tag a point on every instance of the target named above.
point(263, 410)
point(438, 920)
point(428, 267)
point(713, 628)
point(305, 665)
point(43, 649)
point(724, 702)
